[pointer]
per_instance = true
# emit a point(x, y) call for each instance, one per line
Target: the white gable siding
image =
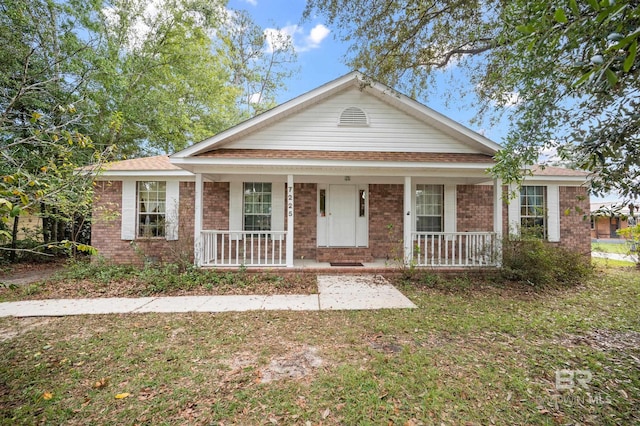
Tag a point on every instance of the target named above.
point(317, 128)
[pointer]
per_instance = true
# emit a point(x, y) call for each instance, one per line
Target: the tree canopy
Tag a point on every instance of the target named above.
point(84, 82)
point(566, 73)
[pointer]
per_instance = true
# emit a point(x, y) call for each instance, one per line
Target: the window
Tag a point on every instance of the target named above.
point(323, 202)
point(533, 210)
point(429, 208)
point(257, 206)
point(362, 203)
point(151, 209)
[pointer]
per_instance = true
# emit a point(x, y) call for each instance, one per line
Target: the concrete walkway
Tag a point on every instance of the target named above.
point(614, 256)
point(335, 292)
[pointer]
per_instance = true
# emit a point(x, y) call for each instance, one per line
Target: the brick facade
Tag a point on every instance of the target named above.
point(304, 227)
point(474, 209)
point(386, 221)
point(574, 219)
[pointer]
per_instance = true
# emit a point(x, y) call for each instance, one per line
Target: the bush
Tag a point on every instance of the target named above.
point(538, 263)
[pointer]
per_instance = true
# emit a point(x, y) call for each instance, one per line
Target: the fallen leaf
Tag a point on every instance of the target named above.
point(47, 396)
point(122, 395)
point(326, 413)
point(102, 383)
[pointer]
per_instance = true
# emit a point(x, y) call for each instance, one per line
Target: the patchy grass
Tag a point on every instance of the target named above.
point(470, 354)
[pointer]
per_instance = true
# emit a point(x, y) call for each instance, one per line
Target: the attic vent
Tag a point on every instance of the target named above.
point(353, 116)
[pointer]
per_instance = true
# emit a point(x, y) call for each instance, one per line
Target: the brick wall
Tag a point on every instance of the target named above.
point(386, 221)
point(105, 220)
point(304, 227)
point(474, 208)
point(574, 219)
point(215, 205)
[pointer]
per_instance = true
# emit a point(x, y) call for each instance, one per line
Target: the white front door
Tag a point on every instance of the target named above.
point(342, 215)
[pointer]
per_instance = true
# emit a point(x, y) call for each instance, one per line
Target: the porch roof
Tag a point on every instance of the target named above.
point(422, 157)
point(327, 163)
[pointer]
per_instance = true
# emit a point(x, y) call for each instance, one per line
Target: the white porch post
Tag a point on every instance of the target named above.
point(497, 207)
point(408, 220)
point(290, 221)
point(197, 223)
point(497, 218)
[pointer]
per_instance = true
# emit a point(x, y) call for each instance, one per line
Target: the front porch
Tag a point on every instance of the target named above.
point(447, 218)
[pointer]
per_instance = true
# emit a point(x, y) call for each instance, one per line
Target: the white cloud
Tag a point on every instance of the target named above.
point(251, 2)
point(278, 38)
point(316, 35)
point(295, 34)
point(255, 98)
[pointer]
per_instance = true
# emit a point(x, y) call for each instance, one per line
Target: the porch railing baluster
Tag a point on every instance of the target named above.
point(456, 249)
point(236, 248)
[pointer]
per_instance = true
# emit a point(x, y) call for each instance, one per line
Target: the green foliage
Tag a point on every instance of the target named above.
point(632, 235)
point(540, 264)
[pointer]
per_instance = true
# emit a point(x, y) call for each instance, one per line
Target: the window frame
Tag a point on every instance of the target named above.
point(259, 202)
point(531, 214)
point(158, 226)
point(422, 207)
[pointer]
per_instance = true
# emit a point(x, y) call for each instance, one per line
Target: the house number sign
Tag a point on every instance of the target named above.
point(290, 201)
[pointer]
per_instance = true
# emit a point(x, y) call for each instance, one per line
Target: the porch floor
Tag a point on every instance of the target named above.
point(378, 266)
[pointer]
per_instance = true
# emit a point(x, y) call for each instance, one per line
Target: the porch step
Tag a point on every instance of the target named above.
point(344, 254)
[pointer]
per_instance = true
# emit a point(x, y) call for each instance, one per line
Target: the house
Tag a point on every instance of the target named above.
point(352, 171)
point(608, 217)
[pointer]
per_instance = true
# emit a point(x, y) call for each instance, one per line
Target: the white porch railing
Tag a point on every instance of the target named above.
point(243, 248)
point(455, 249)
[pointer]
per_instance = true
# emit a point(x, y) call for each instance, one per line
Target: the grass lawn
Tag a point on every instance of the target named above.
point(620, 248)
point(472, 353)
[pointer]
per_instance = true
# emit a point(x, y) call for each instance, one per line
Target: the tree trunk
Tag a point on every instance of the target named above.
point(14, 239)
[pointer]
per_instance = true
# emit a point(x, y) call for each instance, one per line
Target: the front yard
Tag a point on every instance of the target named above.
point(473, 353)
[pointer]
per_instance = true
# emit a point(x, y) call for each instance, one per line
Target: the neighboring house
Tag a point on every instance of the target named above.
point(349, 172)
point(608, 217)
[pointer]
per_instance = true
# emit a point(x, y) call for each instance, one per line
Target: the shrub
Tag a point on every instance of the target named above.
point(538, 263)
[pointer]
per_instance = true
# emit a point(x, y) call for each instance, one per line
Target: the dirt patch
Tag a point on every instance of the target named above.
point(293, 366)
point(18, 326)
point(297, 364)
point(605, 339)
point(385, 344)
point(27, 273)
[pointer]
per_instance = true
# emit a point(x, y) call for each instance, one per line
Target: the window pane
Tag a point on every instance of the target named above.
point(151, 208)
point(429, 208)
point(257, 206)
point(323, 202)
point(533, 210)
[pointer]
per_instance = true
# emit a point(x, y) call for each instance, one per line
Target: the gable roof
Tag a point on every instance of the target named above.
point(423, 113)
point(158, 165)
